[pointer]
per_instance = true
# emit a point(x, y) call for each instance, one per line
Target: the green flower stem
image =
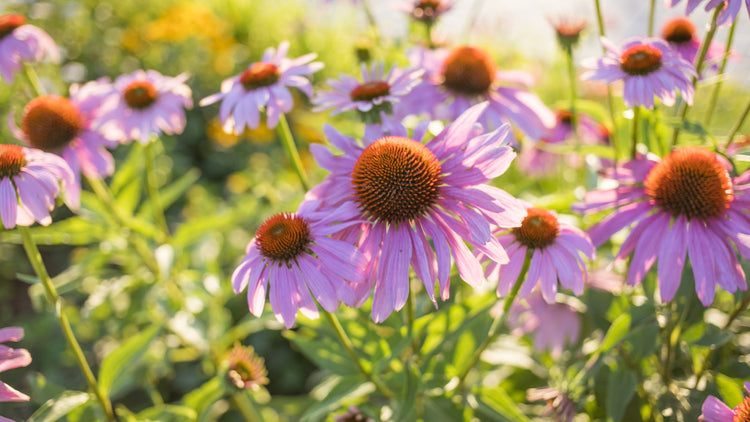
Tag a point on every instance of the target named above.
point(497, 323)
point(347, 343)
point(573, 94)
point(103, 193)
point(54, 299)
point(410, 312)
point(245, 406)
point(291, 149)
point(610, 101)
point(701, 61)
point(717, 87)
point(153, 188)
point(634, 135)
point(33, 78)
point(651, 15)
point(737, 126)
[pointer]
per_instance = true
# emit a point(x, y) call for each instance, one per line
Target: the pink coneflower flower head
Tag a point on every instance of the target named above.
point(714, 410)
point(20, 43)
point(65, 126)
point(30, 180)
point(537, 158)
point(246, 370)
point(681, 35)
point(684, 203)
point(553, 247)
point(294, 254)
point(425, 11)
point(407, 192)
point(144, 104)
point(554, 324)
point(568, 31)
point(455, 79)
point(730, 8)
point(263, 86)
point(10, 359)
point(375, 94)
point(648, 67)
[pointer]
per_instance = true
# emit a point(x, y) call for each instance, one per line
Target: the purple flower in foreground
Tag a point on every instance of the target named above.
point(67, 127)
point(730, 8)
point(375, 94)
point(553, 246)
point(144, 103)
point(648, 67)
point(680, 33)
point(30, 181)
point(684, 203)
point(554, 324)
point(405, 192)
point(20, 42)
point(293, 254)
point(10, 359)
point(263, 85)
point(714, 410)
point(455, 79)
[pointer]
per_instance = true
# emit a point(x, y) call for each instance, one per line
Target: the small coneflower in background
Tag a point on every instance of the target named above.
point(30, 180)
point(353, 414)
point(648, 67)
point(66, 126)
point(144, 104)
point(375, 94)
point(731, 8)
point(559, 405)
point(293, 255)
point(10, 359)
point(245, 369)
point(685, 203)
point(714, 410)
point(553, 247)
point(263, 86)
point(405, 192)
point(425, 11)
point(538, 158)
point(554, 325)
point(457, 78)
point(681, 35)
point(20, 42)
point(568, 31)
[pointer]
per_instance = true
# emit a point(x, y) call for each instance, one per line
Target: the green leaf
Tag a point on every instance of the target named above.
point(714, 337)
point(332, 392)
point(173, 191)
point(117, 366)
point(167, 413)
point(201, 399)
point(196, 228)
point(58, 407)
point(72, 231)
point(497, 402)
point(730, 389)
point(617, 331)
point(620, 389)
point(326, 352)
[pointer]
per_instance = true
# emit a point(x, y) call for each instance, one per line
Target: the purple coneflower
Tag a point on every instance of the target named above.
point(20, 42)
point(554, 247)
point(246, 370)
point(29, 183)
point(293, 254)
point(263, 85)
point(648, 67)
point(427, 11)
point(714, 410)
point(554, 324)
point(10, 359)
point(455, 79)
point(680, 33)
point(536, 159)
point(375, 94)
point(144, 103)
point(406, 192)
point(67, 127)
point(730, 8)
point(684, 203)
